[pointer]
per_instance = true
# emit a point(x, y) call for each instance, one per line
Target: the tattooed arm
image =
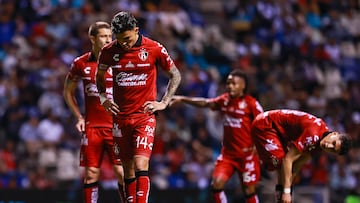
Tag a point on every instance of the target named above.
point(173, 84)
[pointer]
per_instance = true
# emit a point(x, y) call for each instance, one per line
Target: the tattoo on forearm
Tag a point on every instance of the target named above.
point(174, 83)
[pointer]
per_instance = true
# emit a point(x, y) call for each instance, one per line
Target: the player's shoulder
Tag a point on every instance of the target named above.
point(148, 42)
point(82, 58)
point(109, 46)
point(250, 98)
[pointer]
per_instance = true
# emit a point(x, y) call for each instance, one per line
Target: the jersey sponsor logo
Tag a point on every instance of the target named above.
point(87, 70)
point(149, 130)
point(143, 54)
point(116, 57)
point(91, 90)
point(129, 65)
point(232, 122)
point(129, 79)
point(270, 146)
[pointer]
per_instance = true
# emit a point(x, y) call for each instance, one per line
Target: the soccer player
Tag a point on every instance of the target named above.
point(134, 60)
point(96, 125)
point(238, 151)
point(285, 141)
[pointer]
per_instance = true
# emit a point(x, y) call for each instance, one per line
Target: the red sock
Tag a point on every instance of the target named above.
point(252, 199)
point(130, 190)
point(142, 187)
point(91, 192)
point(122, 194)
point(219, 196)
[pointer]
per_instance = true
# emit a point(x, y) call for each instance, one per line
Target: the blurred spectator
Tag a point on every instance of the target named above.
point(299, 54)
point(29, 133)
point(342, 179)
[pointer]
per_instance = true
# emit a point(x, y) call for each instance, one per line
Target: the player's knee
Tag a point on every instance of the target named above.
point(249, 190)
point(217, 184)
point(119, 172)
point(141, 163)
point(92, 174)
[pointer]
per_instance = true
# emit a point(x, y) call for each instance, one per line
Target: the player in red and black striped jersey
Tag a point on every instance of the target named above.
point(96, 125)
point(134, 60)
point(238, 151)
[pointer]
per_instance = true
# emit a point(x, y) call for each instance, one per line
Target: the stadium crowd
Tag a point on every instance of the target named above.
point(298, 54)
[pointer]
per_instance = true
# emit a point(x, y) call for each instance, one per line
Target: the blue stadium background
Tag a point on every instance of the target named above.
point(299, 54)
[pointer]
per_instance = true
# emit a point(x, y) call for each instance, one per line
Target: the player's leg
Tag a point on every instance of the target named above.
point(223, 170)
point(91, 184)
point(122, 136)
point(113, 151)
point(249, 170)
point(130, 181)
point(269, 149)
point(91, 153)
point(142, 178)
point(144, 132)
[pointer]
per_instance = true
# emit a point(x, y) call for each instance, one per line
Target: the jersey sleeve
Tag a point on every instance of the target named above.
point(217, 101)
point(74, 73)
point(104, 60)
point(256, 108)
point(164, 59)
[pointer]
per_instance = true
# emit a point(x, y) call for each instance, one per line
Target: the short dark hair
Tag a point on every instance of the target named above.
point(122, 22)
point(242, 75)
point(346, 144)
point(94, 28)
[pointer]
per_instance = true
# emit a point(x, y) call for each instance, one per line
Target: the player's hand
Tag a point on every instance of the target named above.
point(111, 107)
point(286, 198)
point(153, 106)
point(175, 100)
point(80, 125)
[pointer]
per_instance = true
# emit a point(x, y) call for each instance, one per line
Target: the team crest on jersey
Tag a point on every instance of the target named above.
point(242, 105)
point(143, 54)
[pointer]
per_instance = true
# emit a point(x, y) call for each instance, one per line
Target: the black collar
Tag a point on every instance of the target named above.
point(138, 41)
